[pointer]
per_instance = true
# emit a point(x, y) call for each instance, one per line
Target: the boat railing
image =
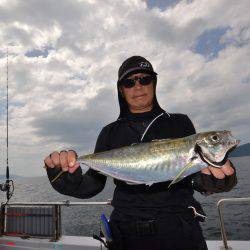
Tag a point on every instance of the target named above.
point(222, 225)
point(57, 206)
point(36, 219)
point(62, 203)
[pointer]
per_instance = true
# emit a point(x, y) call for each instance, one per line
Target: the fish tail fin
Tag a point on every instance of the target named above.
point(179, 175)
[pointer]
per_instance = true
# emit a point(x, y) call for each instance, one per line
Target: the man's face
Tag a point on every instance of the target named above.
point(140, 97)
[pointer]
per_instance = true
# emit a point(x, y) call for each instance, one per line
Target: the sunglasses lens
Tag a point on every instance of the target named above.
point(128, 83)
point(145, 80)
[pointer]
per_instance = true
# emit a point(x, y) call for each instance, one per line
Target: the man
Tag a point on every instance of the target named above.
point(144, 217)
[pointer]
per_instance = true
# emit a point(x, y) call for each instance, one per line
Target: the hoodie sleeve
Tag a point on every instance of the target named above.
point(208, 184)
point(77, 184)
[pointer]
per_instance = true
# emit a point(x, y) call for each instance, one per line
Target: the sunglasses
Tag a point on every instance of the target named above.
point(143, 80)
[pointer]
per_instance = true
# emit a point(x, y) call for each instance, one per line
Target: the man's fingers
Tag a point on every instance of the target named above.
point(48, 162)
point(64, 160)
point(206, 171)
point(73, 169)
point(55, 158)
point(227, 168)
point(217, 172)
point(71, 158)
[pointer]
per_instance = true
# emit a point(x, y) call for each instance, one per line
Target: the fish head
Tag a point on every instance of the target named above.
point(214, 146)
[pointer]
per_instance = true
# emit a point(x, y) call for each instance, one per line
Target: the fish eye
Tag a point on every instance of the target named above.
point(215, 138)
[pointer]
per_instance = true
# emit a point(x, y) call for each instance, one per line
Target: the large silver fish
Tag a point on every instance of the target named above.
point(163, 160)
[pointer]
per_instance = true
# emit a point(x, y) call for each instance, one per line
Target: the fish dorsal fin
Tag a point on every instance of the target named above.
point(168, 139)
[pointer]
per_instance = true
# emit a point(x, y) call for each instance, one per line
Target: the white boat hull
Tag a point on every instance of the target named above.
point(88, 243)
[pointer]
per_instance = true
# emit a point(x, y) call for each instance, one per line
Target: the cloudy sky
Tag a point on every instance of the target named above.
point(63, 62)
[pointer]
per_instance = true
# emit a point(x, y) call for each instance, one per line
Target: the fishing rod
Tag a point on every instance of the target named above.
point(6, 187)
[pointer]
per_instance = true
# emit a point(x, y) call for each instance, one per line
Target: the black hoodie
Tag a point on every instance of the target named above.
point(141, 201)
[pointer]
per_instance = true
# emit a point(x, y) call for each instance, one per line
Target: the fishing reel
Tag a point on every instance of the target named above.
point(7, 187)
point(4, 186)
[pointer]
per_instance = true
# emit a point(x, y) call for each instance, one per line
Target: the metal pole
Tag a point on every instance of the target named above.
point(62, 203)
point(7, 136)
point(222, 226)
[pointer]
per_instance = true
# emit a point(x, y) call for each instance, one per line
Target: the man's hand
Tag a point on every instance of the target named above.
point(219, 173)
point(66, 160)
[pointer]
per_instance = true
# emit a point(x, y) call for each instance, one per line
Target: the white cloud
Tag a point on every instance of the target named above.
point(62, 100)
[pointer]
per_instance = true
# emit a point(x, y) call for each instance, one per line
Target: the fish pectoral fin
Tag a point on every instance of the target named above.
point(179, 175)
point(131, 183)
point(149, 183)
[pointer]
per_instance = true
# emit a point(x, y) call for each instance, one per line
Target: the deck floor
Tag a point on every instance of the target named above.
point(87, 243)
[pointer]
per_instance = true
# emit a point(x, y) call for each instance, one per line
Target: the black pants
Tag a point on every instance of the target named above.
point(173, 233)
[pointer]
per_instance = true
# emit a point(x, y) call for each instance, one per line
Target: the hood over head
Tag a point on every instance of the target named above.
point(133, 65)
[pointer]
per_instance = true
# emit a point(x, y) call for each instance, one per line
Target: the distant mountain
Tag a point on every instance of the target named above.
point(242, 150)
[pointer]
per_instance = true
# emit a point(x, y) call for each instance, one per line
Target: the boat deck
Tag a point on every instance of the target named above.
point(87, 243)
point(234, 245)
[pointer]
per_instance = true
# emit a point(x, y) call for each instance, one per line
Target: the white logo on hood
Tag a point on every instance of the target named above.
point(144, 64)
